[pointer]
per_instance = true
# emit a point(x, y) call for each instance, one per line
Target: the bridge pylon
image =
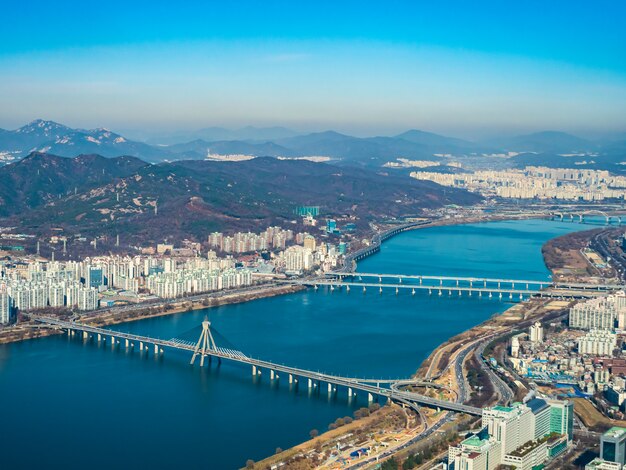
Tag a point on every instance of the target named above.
point(205, 344)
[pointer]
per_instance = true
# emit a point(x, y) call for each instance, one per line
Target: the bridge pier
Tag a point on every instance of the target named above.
point(127, 343)
point(156, 349)
point(85, 335)
point(310, 383)
point(272, 374)
point(364, 289)
point(370, 398)
point(99, 337)
point(349, 392)
point(141, 345)
point(254, 371)
point(290, 378)
point(413, 292)
point(330, 388)
point(112, 341)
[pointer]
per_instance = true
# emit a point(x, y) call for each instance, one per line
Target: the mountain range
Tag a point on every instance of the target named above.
point(342, 149)
point(93, 195)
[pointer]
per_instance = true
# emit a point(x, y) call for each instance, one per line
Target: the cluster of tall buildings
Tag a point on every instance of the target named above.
point(523, 435)
point(34, 284)
point(196, 280)
point(297, 259)
point(602, 313)
point(536, 182)
point(245, 242)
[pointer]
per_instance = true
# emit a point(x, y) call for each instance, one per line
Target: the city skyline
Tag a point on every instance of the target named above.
point(474, 73)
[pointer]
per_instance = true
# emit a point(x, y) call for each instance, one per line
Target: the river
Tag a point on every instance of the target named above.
point(73, 405)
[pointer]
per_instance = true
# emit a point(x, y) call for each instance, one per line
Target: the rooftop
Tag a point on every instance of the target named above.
point(504, 409)
point(615, 432)
point(473, 441)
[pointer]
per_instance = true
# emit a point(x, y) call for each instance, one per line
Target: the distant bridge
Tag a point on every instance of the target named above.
point(580, 216)
point(512, 288)
point(206, 348)
point(374, 246)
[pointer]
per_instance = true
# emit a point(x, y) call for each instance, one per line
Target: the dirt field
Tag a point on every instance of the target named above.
point(592, 418)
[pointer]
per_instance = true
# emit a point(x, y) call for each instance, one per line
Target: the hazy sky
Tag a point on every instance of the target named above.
point(463, 68)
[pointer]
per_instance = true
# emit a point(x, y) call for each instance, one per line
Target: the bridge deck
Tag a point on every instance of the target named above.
point(476, 280)
point(238, 356)
point(513, 293)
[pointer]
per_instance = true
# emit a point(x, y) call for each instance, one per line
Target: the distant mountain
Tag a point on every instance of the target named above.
point(199, 149)
point(248, 133)
point(102, 142)
point(196, 197)
point(41, 178)
point(19, 142)
point(51, 137)
point(435, 140)
point(546, 142)
point(369, 151)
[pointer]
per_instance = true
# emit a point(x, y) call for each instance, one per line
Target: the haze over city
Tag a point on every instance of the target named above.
point(458, 68)
point(281, 235)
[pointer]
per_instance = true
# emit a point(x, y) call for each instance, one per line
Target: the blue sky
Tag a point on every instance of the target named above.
point(462, 68)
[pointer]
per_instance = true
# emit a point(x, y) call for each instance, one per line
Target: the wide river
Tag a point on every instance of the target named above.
point(65, 404)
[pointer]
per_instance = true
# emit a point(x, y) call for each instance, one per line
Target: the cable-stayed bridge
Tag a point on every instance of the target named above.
point(205, 347)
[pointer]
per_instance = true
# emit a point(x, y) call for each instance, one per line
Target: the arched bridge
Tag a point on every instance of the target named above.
point(580, 216)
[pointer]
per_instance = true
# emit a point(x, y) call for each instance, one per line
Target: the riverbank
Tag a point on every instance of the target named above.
point(483, 390)
point(564, 257)
point(323, 330)
point(30, 330)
